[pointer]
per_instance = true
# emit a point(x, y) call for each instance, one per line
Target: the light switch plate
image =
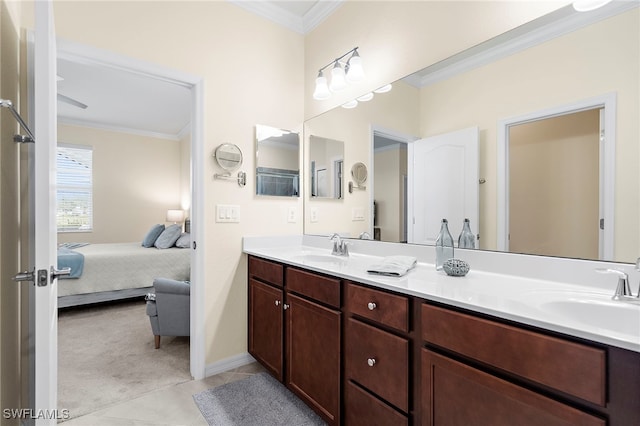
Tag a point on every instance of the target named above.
point(226, 213)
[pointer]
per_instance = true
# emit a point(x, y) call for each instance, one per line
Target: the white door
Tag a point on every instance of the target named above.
point(43, 175)
point(444, 177)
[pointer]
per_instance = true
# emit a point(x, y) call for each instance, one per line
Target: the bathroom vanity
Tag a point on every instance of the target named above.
point(430, 349)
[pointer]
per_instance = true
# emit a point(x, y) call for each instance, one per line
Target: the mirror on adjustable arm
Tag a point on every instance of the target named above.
point(553, 78)
point(277, 162)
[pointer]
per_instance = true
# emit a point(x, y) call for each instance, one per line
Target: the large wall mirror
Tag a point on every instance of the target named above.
point(590, 67)
point(277, 162)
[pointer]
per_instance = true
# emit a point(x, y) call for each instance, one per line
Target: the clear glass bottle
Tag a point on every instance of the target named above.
point(444, 245)
point(466, 239)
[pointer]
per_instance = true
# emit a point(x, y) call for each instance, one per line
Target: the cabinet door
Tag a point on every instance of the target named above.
point(265, 326)
point(313, 356)
point(457, 394)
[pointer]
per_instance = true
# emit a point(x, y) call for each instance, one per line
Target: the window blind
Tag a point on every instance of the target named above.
point(74, 188)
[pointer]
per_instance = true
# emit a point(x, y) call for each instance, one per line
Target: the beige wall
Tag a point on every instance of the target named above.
point(136, 179)
point(602, 58)
point(9, 213)
point(553, 186)
point(215, 40)
point(279, 157)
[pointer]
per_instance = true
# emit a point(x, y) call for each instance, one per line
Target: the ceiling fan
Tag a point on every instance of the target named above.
point(68, 100)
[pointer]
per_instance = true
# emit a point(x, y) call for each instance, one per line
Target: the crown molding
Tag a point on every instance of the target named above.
point(302, 25)
point(558, 23)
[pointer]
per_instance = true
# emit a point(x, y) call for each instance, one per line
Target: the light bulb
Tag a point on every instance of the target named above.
point(365, 98)
point(355, 71)
point(337, 78)
point(321, 91)
point(350, 104)
point(383, 89)
point(587, 5)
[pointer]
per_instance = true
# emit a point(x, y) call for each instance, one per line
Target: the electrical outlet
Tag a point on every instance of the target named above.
point(292, 215)
point(314, 214)
point(357, 214)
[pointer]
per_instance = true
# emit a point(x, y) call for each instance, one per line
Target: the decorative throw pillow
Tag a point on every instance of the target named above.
point(184, 241)
point(152, 235)
point(168, 237)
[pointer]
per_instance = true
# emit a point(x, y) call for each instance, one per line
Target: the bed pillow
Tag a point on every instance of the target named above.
point(152, 235)
point(184, 241)
point(168, 237)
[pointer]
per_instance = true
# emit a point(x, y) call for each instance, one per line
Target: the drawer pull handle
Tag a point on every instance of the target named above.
point(285, 306)
point(278, 303)
point(371, 362)
point(372, 306)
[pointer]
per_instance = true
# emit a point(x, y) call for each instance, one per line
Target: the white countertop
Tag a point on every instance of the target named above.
point(592, 314)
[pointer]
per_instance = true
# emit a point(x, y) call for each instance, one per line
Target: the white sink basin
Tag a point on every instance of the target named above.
point(311, 258)
point(592, 309)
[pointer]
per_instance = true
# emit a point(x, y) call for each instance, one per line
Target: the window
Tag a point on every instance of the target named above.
point(74, 188)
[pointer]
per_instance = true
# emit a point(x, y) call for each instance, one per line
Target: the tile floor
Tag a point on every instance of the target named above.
point(169, 406)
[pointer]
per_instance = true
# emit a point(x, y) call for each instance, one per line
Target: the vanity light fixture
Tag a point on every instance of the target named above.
point(351, 104)
point(342, 73)
point(383, 89)
point(365, 98)
point(588, 5)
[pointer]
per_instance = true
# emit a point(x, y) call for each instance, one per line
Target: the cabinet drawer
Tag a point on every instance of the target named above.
point(265, 270)
point(388, 309)
point(576, 369)
point(458, 394)
point(379, 361)
point(363, 409)
point(317, 287)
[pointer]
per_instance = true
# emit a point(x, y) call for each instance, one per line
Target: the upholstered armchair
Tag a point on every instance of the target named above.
point(168, 308)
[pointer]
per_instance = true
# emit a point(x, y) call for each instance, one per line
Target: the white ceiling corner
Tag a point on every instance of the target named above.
point(300, 16)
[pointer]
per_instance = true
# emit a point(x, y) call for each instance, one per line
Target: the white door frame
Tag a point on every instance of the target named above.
point(400, 138)
point(607, 165)
point(195, 84)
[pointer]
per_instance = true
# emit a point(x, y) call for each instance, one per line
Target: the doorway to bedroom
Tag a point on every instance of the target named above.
point(142, 178)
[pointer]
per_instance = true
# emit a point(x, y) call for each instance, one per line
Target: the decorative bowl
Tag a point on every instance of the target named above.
point(456, 267)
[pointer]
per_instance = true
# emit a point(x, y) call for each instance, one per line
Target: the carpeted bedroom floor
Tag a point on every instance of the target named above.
point(106, 355)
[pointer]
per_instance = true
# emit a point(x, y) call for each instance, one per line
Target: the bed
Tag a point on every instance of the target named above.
point(121, 270)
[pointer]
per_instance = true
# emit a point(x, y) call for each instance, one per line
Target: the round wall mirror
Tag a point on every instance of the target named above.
point(228, 156)
point(359, 173)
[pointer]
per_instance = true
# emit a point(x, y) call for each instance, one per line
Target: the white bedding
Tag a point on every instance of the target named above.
point(119, 266)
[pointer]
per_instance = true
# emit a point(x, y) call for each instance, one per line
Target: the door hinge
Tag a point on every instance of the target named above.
point(602, 223)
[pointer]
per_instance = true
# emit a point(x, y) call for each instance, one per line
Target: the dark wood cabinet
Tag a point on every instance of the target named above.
point(456, 394)
point(265, 326)
point(313, 355)
point(295, 332)
point(360, 355)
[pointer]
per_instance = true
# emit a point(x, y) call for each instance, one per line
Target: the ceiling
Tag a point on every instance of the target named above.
point(124, 101)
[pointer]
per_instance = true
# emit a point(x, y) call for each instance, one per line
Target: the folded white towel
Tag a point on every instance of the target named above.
point(393, 266)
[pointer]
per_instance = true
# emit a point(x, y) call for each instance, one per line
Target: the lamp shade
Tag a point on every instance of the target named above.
point(355, 72)
point(338, 81)
point(175, 216)
point(321, 91)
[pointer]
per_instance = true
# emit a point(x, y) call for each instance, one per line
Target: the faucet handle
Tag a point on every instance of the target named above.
point(623, 289)
point(344, 249)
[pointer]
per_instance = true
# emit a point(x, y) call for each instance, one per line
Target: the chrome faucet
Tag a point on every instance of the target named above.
point(339, 246)
point(623, 290)
point(365, 236)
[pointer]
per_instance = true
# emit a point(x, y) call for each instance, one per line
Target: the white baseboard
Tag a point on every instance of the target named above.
point(228, 364)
